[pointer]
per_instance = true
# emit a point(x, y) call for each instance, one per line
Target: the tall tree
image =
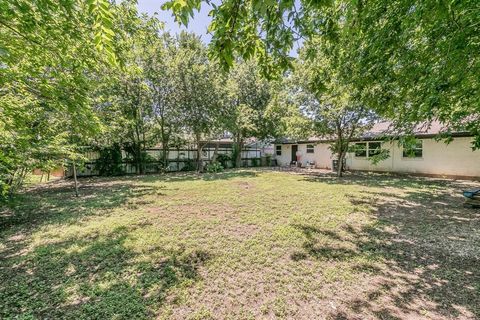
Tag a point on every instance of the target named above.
point(248, 96)
point(46, 65)
point(166, 105)
point(125, 97)
point(421, 58)
point(330, 90)
point(198, 81)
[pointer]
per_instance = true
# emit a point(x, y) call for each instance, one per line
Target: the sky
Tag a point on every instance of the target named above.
point(198, 24)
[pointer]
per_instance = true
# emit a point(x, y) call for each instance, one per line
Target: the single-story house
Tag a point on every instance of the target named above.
point(428, 157)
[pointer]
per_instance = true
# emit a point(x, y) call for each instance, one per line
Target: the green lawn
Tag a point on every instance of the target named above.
point(241, 245)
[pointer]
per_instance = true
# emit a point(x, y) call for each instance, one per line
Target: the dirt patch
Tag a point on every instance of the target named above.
point(244, 185)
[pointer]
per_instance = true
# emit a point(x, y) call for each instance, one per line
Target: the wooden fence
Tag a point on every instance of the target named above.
point(178, 160)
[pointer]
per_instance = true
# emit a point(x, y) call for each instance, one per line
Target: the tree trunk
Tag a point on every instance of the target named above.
point(178, 158)
point(215, 153)
point(165, 149)
point(140, 161)
point(75, 178)
point(143, 152)
point(199, 154)
point(15, 185)
point(11, 179)
point(165, 140)
point(238, 156)
point(165, 152)
point(341, 156)
point(138, 157)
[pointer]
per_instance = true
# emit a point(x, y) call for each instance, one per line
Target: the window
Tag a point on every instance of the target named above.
point(367, 149)
point(278, 150)
point(310, 148)
point(374, 148)
point(361, 149)
point(413, 151)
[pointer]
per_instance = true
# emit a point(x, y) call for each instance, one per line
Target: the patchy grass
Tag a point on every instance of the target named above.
point(241, 245)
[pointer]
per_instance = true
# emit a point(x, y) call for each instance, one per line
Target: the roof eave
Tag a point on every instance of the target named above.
point(379, 137)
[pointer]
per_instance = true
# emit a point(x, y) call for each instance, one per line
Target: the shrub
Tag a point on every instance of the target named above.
point(224, 159)
point(110, 161)
point(214, 167)
point(268, 160)
point(189, 165)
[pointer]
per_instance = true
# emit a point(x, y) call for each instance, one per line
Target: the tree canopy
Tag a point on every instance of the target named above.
point(420, 59)
point(47, 59)
point(98, 73)
point(248, 95)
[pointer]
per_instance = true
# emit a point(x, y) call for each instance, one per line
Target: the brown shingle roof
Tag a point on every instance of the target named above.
point(386, 129)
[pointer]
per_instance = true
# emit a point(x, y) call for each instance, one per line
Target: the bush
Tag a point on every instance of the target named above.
point(189, 166)
point(4, 187)
point(268, 160)
point(224, 159)
point(255, 162)
point(110, 161)
point(214, 167)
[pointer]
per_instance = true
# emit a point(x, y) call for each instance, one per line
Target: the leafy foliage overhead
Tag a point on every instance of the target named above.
point(420, 59)
point(47, 62)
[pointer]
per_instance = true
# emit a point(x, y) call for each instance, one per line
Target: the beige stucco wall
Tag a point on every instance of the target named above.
point(284, 159)
point(456, 158)
point(321, 155)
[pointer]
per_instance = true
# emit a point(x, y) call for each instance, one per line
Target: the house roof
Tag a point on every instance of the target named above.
point(386, 129)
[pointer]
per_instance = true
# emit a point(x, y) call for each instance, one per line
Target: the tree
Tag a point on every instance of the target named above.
point(45, 80)
point(283, 116)
point(330, 92)
point(197, 80)
point(248, 96)
point(166, 105)
point(125, 97)
point(420, 58)
point(424, 62)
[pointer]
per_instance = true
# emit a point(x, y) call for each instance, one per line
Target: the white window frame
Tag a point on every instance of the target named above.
point(278, 148)
point(310, 148)
point(367, 149)
point(420, 142)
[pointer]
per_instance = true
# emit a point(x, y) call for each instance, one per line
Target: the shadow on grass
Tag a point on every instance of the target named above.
point(95, 277)
point(192, 176)
point(58, 204)
point(380, 180)
point(428, 243)
point(89, 276)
